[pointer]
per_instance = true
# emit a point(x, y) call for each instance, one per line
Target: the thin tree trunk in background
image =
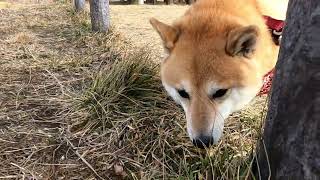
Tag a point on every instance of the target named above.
point(168, 2)
point(190, 1)
point(290, 148)
point(79, 5)
point(100, 16)
point(134, 2)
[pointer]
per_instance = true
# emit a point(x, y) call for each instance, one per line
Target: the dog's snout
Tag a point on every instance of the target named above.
point(203, 141)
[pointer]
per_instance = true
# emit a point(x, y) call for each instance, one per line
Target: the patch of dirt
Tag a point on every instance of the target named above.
point(133, 22)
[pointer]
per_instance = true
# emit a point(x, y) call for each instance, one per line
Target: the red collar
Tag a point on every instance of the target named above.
point(275, 26)
point(267, 82)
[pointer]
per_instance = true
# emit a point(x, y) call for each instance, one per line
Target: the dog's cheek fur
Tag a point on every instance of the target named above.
point(238, 98)
point(242, 96)
point(176, 97)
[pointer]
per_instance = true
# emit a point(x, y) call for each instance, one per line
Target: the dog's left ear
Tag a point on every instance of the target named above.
point(169, 34)
point(242, 41)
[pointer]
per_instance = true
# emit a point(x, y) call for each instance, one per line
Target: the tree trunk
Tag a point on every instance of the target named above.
point(190, 1)
point(134, 2)
point(168, 2)
point(100, 16)
point(79, 5)
point(290, 147)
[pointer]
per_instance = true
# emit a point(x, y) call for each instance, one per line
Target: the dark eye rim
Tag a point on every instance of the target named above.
point(220, 93)
point(183, 93)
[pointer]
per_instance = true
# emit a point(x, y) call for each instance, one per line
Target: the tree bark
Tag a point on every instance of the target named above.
point(79, 5)
point(100, 16)
point(290, 147)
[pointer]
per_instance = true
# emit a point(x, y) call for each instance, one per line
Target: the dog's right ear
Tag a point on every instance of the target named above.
point(242, 41)
point(168, 34)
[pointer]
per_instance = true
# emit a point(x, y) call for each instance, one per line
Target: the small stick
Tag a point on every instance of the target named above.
point(83, 160)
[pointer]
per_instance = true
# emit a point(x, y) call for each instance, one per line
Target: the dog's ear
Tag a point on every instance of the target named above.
point(168, 34)
point(242, 41)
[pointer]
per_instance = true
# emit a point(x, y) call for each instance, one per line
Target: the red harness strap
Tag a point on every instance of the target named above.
point(267, 82)
point(275, 26)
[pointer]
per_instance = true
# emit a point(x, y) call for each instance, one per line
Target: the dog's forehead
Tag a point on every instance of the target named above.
point(200, 69)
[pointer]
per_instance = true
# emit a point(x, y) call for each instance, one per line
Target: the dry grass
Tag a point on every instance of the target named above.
point(77, 105)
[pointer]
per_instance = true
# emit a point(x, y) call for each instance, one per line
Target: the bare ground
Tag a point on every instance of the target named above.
point(133, 21)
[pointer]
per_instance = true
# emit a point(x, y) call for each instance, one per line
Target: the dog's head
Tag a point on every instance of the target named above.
point(212, 70)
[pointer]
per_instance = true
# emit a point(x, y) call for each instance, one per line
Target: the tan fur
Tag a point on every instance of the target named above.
point(202, 46)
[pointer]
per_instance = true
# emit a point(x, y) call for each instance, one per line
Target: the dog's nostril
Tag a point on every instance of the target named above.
point(203, 141)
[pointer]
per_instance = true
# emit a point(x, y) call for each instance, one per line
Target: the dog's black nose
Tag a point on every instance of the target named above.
point(203, 141)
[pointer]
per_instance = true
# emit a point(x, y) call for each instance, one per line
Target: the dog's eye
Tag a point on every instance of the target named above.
point(183, 93)
point(219, 93)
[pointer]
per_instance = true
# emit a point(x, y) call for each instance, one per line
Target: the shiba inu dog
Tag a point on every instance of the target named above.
point(218, 53)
